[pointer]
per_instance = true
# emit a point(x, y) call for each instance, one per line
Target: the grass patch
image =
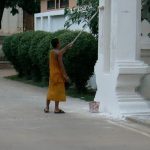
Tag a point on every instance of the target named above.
point(87, 95)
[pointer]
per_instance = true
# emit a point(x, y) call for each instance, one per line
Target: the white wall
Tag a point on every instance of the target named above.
point(49, 21)
point(57, 22)
point(11, 24)
point(53, 21)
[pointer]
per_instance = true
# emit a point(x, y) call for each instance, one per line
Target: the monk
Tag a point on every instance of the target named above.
point(58, 76)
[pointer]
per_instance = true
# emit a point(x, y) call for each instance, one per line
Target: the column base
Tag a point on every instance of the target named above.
point(117, 90)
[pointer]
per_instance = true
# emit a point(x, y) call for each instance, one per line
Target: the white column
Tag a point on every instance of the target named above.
point(128, 29)
point(118, 70)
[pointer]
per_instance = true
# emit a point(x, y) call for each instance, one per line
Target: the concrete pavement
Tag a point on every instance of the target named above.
point(24, 126)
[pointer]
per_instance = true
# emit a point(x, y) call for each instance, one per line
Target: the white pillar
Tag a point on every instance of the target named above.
point(118, 70)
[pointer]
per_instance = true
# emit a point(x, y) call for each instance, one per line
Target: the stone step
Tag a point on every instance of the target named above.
point(132, 107)
point(5, 65)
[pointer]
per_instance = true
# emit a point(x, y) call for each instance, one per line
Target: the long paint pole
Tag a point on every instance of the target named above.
point(84, 27)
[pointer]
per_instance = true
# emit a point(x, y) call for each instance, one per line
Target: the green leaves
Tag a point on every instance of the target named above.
point(146, 10)
point(30, 6)
point(86, 8)
point(82, 14)
point(29, 53)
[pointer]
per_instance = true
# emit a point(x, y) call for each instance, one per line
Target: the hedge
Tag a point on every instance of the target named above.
point(29, 53)
point(43, 48)
point(33, 53)
point(80, 60)
point(10, 48)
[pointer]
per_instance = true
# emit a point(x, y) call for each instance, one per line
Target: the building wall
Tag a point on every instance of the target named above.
point(72, 3)
point(44, 6)
point(11, 24)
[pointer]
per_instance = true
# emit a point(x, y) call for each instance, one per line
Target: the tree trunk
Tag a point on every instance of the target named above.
point(2, 6)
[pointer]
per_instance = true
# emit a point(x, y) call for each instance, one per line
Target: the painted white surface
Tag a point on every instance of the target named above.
point(118, 68)
point(12, 24)
point(57, 22)
point(53, 21)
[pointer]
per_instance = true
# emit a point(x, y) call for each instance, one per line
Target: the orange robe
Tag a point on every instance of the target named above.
point(56, 89)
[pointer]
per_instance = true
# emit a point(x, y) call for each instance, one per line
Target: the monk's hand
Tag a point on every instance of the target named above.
point(70, 45)
point(67, 79)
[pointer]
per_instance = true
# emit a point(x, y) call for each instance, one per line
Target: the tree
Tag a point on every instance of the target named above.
point(86, 8)
point(146, 10)
point(82, 13)
point(30, 6)
point(2, 6)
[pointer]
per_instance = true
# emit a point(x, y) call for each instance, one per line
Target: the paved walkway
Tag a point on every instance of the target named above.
point(24, 126)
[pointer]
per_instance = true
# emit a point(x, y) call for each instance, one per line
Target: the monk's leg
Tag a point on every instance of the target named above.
point(56, 106)
point(57, 109)
point(46, 110)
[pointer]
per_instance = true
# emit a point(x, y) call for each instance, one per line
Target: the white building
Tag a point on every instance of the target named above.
point(52, 16)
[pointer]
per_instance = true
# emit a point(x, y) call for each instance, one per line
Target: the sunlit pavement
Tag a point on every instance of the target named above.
point(24, 125)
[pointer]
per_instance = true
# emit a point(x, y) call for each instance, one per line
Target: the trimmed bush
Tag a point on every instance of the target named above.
point(10, 48)
point(7, 47)
point(23, 57)
point(33, 52)
point(59, 32)
point(29, 53)
point(80, 60)
point(43, 49)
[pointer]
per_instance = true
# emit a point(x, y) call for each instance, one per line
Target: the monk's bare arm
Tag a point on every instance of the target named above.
point(63, 50)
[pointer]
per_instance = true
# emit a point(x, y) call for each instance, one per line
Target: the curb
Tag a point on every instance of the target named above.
point(139, 121)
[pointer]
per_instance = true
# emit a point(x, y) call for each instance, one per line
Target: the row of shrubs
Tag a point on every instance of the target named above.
point(29, 53)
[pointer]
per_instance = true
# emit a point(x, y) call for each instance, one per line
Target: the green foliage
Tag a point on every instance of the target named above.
point(43, 48)
point(33, 52)
point(82, 14)
point(29, 53)
point(7, 46)
point(86, 8)
point(10, 48)
point(30, 6)
point(146, 10)
point(23, 57)
point(57, 33)
point(80, 60)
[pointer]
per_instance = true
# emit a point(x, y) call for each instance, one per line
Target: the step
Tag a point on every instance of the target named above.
point(5, 65)
point(135, 107)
